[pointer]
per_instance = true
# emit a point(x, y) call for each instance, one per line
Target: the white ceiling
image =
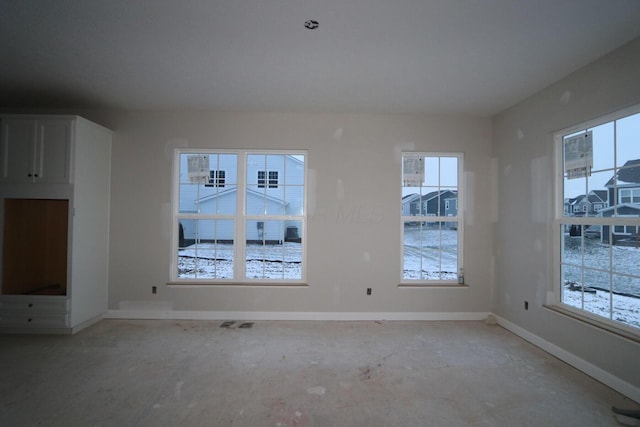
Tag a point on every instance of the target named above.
point(419, 56)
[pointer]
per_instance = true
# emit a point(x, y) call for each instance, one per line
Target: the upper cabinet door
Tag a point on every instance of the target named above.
point(17, 150)
point(35, 151)
point(52, 159)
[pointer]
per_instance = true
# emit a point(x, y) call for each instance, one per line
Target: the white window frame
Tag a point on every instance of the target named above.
point(459, 219)
point(634, 193)
point(240, 219)
point(561, 221)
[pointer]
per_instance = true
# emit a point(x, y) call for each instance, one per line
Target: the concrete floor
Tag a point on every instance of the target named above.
point(195, 373)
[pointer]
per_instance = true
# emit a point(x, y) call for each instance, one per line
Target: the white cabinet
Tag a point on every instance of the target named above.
point(35, 150)
point(54, 222)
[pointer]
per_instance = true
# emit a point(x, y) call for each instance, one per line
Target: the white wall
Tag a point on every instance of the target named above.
point(354, 200)
point(523, 150)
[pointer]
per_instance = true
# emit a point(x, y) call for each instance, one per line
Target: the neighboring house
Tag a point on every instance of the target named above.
point(586, 205)
point(623, 191)
point(436, 203)
point(627, 183)
point(411, 205)
point(274, 186)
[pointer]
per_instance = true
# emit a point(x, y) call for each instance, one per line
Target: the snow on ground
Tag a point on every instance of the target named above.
point(623, 304)
point(215, 261)
point(626, 309)
point(430, 253)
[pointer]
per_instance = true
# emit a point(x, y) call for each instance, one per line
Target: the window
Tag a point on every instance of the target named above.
point(273, 179)
point(598, 262)
point(216, 179)
point(431, 229)
point(235, 223)
point(629, 195)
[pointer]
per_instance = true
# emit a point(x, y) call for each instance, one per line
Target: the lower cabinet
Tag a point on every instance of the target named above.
point(24, 311)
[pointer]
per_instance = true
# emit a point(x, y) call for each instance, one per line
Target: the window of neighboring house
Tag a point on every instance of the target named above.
point(432, 243)
point(229, 227)
point(599, 278)
point(629, 195)
point(576, 208)
point(216, 179)
point(597, 207)
point(268, 178)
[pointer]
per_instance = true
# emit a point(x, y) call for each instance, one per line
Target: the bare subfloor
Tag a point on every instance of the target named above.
point(196, 373)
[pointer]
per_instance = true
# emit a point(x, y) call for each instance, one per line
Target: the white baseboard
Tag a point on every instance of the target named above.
point(588, 368)
point(288, 315)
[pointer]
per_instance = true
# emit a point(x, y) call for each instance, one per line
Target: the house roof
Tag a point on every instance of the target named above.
point(428, 196)
point(233, 190)
point(628, 174)
point(596, 196)
point(365, 56)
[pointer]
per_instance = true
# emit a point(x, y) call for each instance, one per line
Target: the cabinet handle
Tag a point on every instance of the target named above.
point(29, 319)
point(35, 175)
point(30, 305)
point(29, 175)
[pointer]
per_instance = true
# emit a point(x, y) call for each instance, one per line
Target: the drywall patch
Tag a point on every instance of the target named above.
point(494, 190)
point(405, 146)
point(166, 221)
point(171, 144)
point(537, 245)
point(337, 135)
point(317, 390)
point(366, 257)
point(520, 135)
point(539, 189)
point(507, 170)
point(339, 189)
point(565, 98)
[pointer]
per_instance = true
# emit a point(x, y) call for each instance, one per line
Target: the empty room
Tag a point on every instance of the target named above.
point(320, 213)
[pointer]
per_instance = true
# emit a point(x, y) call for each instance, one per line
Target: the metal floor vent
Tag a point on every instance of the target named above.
point(231, 323)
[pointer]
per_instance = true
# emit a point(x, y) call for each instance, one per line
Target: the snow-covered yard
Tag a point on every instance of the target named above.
point(430, 253)
point(602, 268)
point(422, 256)
point(215, 261)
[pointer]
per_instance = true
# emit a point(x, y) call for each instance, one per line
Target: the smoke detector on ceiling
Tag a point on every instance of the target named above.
point(311, 24)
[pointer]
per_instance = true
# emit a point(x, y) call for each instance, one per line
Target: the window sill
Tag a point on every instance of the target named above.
point(234, 285)
point(441, 285)
point(619, 331)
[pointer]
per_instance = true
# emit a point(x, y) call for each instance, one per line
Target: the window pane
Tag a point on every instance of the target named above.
point(255, 163)
point(430, 251)
point(255, 200)
point(628, 134)
point(596, 292)
point(603, 138)
point(626, 304)
point(449, 172)
point(293, 200)
point(205, 249)
point(294, 170)
point(571, 286)
point(188, 198)
point(432, 171)
point(265, 250)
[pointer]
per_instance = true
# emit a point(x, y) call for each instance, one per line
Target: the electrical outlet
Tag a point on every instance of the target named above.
point(154, 289)
point(368, 291)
